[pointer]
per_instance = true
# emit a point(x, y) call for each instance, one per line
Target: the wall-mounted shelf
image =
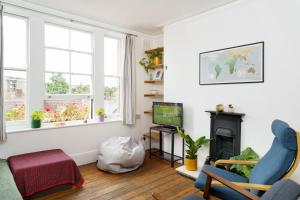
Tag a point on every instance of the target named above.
point(154, 135)
point(148, 112)
point(159, 66)
point(150, 51)
point(154, 81)
point(153, 95)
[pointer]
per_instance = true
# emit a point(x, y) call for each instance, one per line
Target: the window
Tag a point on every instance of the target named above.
point(15, 67)
point(112, 61)
point(68, 73)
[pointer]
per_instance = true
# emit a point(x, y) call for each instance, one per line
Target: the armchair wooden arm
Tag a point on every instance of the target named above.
point(238, 162)
point(249, 186)
point(229, 184)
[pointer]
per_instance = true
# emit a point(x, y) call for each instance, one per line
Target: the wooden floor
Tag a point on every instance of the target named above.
point(154, 176)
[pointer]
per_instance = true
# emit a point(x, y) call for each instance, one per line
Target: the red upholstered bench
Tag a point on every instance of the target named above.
point(35, 172)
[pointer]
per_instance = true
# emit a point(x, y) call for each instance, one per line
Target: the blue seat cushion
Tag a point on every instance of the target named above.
point(283, 189)
point(222, 192)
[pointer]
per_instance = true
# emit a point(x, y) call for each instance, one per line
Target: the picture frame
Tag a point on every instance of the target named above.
point(158, 74)
point(233, 65)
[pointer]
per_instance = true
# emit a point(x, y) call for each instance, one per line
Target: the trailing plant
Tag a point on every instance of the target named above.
point(156, 54)
point(193, 146)
point(244, 170)
point(37, 115)
point(100, 111)
point(146, 63)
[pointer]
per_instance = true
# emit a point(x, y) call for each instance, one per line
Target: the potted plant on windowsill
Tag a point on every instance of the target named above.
point(191, 151)
point(101, 114)
point(36, 119)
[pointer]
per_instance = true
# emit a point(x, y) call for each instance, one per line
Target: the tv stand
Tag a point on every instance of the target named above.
point(159, 152)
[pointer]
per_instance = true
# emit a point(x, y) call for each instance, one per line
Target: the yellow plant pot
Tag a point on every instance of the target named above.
point(190, 164)
point(157, 60)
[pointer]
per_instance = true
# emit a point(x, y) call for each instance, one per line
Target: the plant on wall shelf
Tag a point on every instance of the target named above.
point(193, 147)
point(146, 63)
point(155, 58)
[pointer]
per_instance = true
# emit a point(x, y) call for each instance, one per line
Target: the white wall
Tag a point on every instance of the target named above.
point(274, 21)
point(80, 142)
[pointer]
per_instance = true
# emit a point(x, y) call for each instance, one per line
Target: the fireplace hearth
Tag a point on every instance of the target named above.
point(225, 135)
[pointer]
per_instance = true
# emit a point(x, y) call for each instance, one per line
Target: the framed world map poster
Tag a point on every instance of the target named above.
point(239, 64)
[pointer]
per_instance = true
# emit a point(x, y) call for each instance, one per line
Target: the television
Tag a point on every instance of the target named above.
point(167, 114)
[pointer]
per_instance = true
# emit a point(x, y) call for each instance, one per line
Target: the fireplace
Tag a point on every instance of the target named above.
point(225, 135)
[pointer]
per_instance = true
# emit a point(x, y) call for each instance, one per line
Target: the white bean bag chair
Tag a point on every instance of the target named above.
point(120, 154)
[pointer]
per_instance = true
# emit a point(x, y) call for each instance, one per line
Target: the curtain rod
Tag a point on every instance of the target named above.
point(68, 19)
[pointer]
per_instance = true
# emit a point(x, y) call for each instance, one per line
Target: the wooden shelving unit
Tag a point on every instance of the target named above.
point(160, 66)
point(153, 95)
point(150, 51)
point(154, 81)
point(157, 85)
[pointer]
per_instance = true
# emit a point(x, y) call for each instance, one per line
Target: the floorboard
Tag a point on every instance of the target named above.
point(154, 176)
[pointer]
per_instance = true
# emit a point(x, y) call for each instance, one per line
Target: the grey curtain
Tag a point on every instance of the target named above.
point(129, 90)
point(3, 136)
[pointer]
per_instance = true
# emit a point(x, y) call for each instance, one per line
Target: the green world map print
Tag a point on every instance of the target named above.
point(240, 64)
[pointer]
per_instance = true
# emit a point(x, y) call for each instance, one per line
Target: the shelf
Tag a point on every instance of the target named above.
point(153, 95)
point(154, 135)
point(150, 51)
point(148, 112)
point(159, 66)
point(164, 155)
point(154, 81)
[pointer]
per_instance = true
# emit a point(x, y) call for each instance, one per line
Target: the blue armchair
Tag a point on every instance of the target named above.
point(279, 162)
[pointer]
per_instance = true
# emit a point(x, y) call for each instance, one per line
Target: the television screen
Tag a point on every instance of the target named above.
point(167, 114)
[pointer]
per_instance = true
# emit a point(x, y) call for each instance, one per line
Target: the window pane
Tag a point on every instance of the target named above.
point(57, 60)
point(66, 110)
point(112, 95)
point(14, 95)
point(111, 56)
point(81, 84)
point(81, 63)
point(15, 42)
point(81, 41)
point(56, 36)
point(57, 83)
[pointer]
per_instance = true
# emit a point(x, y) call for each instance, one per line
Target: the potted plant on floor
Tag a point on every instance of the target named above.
point(36, 119)
point(191, 151)
point(100, 112)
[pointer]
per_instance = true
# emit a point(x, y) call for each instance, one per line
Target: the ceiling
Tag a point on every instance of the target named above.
point(146, 16)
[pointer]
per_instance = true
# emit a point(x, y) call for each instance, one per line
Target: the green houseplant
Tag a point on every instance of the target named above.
point(192, 148)
point(101, 113)
point(36, 119)
point(244, 170)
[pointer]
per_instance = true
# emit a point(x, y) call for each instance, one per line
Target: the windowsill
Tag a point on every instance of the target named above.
point(46, 126)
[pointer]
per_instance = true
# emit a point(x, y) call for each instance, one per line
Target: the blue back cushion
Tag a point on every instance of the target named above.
point(278, 159)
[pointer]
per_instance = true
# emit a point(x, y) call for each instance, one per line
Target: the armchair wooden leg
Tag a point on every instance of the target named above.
point(207, 187)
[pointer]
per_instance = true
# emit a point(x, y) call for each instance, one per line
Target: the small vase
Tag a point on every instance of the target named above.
point(191, 164)
point(101, 118)
point(157, 60)
point(36, 123)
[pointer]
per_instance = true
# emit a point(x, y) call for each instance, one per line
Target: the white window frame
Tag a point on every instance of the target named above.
point(26, 70)
point(71, 96)
point(119, 75)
